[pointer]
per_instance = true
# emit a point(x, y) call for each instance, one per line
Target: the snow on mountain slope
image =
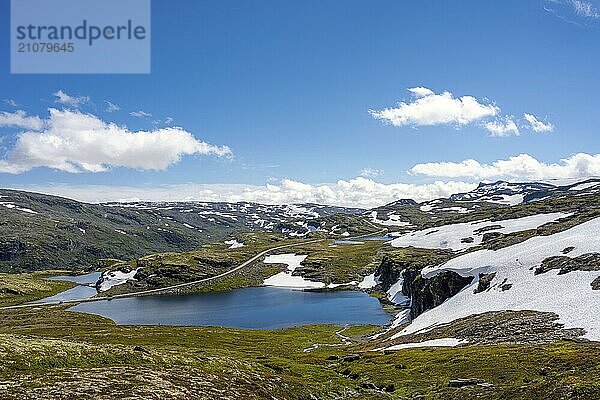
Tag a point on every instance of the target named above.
point(502, 192)
point(392, 220)
point(516, 287)
point(462, 236)
point(584, 186)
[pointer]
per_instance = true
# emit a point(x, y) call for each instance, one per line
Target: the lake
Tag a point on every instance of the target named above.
point(247, 308)
point(84, 290)
point(359, 240)
point(87, 279)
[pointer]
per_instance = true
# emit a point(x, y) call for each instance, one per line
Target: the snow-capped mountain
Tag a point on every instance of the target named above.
point(406, 212)
point(539, 256)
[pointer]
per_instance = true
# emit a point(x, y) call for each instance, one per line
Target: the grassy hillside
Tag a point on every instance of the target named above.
point(40, 232)
point(96, 359)
point(21, 288)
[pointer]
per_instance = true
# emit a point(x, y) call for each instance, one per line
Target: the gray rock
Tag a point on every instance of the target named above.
point(141, 349)
point(485, 281)
point(459, 383)
point(585, 262)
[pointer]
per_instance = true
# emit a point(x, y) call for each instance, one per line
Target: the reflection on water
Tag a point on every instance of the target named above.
point(251, 308)
point(81, 291)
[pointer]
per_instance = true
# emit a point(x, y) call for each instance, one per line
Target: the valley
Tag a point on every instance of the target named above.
point(436, 298)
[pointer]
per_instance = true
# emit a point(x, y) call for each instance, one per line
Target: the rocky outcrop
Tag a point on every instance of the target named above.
point(388, 272)
point(464, 382)
point(485, 280)
point(500, 327)
point(425, 294)
point(510, 327)
point(564, 264)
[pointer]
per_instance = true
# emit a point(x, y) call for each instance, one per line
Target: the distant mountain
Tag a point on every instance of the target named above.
point(487, 196)
point(41, 232)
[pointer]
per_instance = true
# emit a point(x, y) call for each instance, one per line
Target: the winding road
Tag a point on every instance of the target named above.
point(183, 285)
point(166, 288)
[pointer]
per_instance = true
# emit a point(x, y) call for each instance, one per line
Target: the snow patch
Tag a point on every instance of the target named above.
point(569, 295)
point(15, 207)
point(445, 342)
point(395, 294)
point(450, 236)
point(286, 279)
point(393, 220)
point(369, 281)
point(584, 186)
point(113, 278)
point(234, 244)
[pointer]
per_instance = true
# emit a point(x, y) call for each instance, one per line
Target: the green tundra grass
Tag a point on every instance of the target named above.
point(53, 353)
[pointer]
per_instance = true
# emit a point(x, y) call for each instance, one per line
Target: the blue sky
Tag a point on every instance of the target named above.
point(288, 86)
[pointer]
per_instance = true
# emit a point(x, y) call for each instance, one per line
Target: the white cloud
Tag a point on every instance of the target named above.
point(72, 141)
point(522, 166)
point(578, 12)
point(370, 172)
point(584, 9)
point(11, 102)
point(536, 125)
point(73, 101)
point(111, 107)
point(20, 119)
point(168, 120)
point(421, 91)
point(140, 114)
point(357, 192)
point(502, 127)
point(436, 109)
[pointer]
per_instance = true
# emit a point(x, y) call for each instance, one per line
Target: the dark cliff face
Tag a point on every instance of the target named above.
point(388, 272)
point(430, 293)
point(425, 294)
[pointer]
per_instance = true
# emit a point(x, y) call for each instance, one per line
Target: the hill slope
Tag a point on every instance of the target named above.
point(43, 232)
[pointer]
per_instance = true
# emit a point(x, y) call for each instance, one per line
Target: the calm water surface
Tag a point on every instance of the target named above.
point(81, 291)
point(249, 308)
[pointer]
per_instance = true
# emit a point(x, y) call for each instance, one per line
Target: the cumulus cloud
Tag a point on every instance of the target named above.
point(536, 125)
point(20, 119)
point(73, 141)
point(522, 166)
point(429, 108)
point(73, 101)
point(502, 127)
point(357, 192)
point(111, 107)
point(140, 114)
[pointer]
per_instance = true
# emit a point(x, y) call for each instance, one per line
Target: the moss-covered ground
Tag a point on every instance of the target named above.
point(21, 288)
point(55, 353)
